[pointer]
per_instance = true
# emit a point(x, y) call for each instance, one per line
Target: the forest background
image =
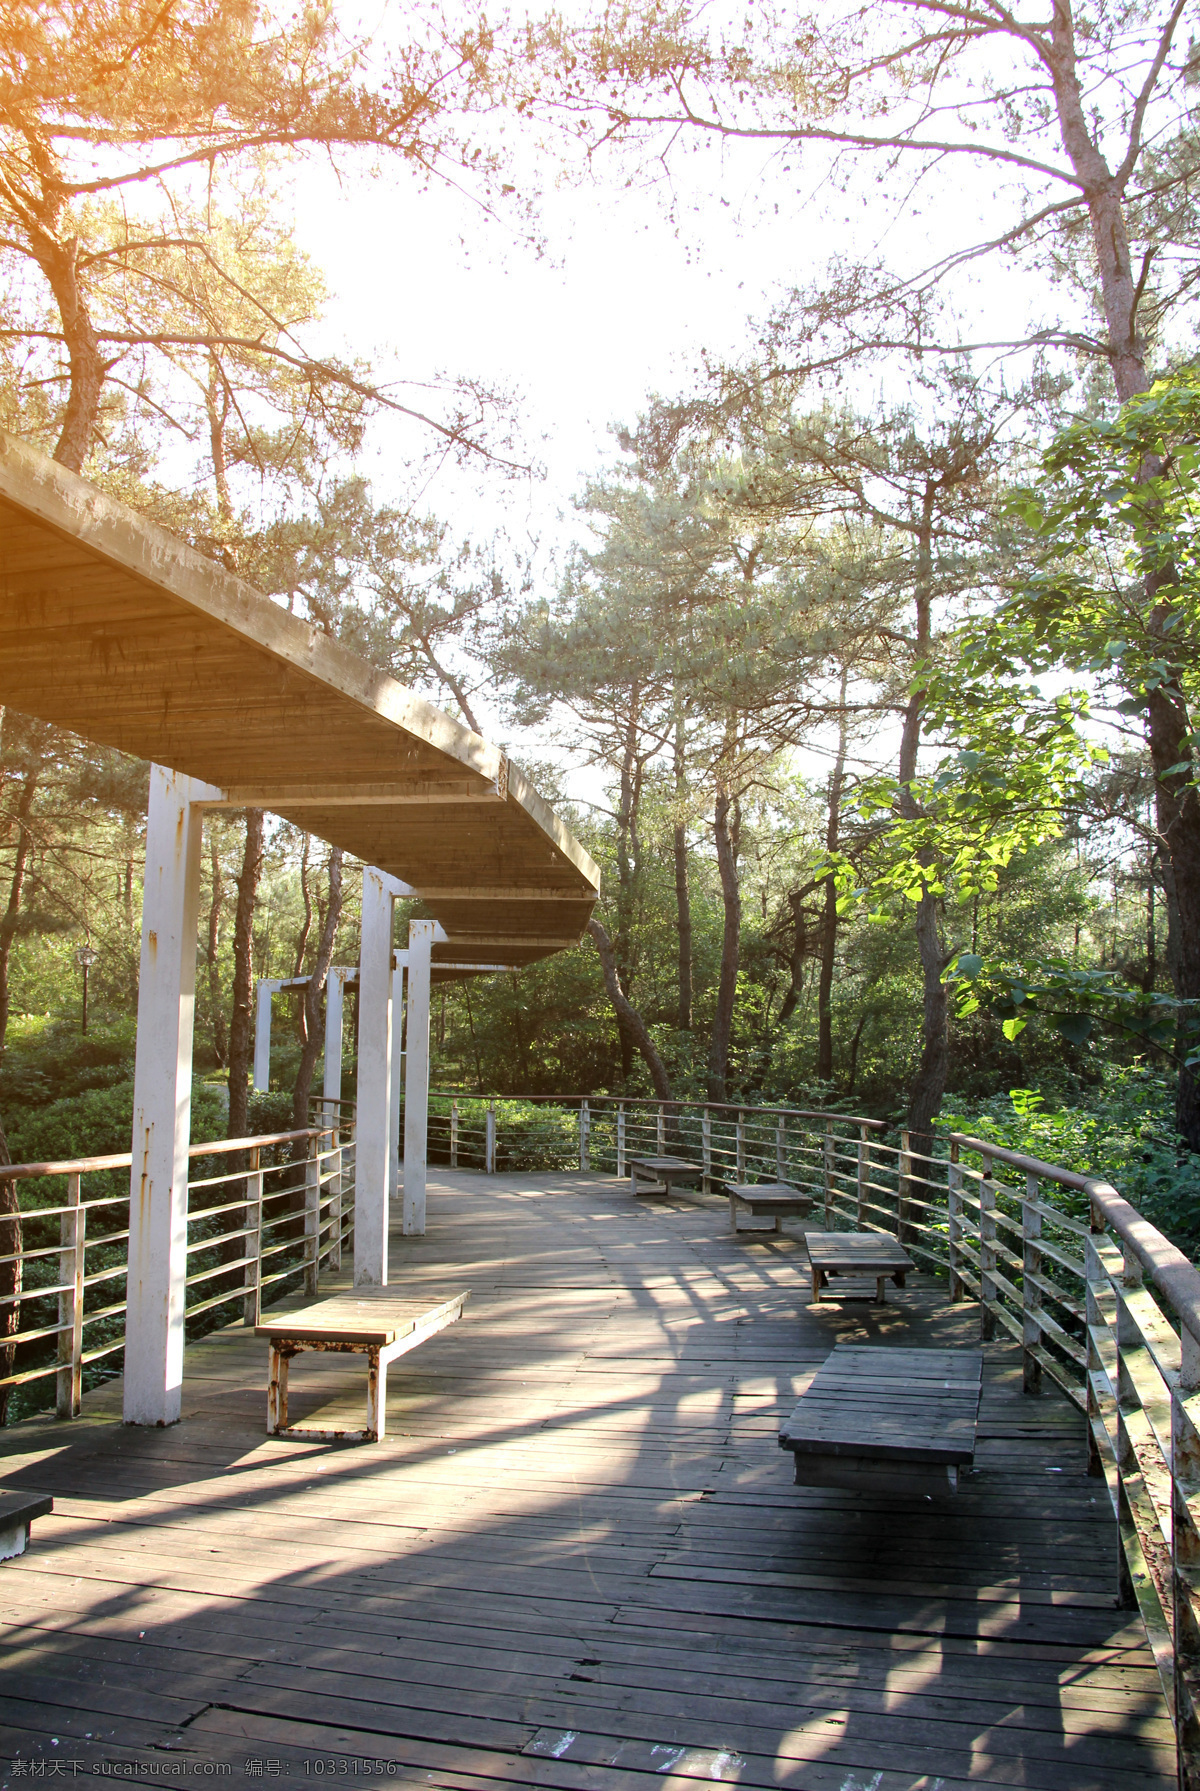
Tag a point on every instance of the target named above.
point(865, 660)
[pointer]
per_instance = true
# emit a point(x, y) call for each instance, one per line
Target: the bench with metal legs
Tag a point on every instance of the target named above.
point(375, 1323)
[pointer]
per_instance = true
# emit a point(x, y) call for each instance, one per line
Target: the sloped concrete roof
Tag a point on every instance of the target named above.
point(113, 628)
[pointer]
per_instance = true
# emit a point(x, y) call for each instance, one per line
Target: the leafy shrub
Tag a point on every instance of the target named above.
point(1122, 1132)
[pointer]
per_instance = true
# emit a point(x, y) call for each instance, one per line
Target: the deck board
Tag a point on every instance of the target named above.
point(577, 1561)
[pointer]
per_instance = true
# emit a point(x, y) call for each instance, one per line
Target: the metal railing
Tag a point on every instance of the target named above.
point(601, 1132)
point(1099, 1302)
point(277, 1214)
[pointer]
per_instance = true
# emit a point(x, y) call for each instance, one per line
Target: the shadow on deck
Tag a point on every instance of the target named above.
point(578, 1560)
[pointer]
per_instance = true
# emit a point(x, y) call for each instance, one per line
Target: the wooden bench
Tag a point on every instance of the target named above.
point(872, 1254)
point(17, 1512)
point(890, 1420)
point(661, 1173)
point(372, 1322)
point(774, 1200)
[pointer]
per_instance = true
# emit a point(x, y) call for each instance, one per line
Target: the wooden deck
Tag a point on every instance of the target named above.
point(578, 1560)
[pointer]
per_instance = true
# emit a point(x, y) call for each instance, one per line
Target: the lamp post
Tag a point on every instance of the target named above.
point(85, 957)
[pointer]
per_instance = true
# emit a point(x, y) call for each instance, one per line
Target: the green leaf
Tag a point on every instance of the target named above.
point(1075, 1028)
point(1012, 1028)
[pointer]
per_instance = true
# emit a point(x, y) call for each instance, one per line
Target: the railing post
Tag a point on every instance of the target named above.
point(662, 1130)
point(312, 1219)
point(781, 1149)
point(585, 1127)
point(1097, 1329)
point(489, 1142)
point(621, 1140)
point(335, 1199)
point(1185, 1558)
point(706, 1148)
point(828, 1168)
point(954, 1216)
point(454, 1134)
point(741, 1145)
point(1128, 1338)
point(69, 1380)
point(1031, 1293)
point(903, 1229)
point(987, 1254)
point(252, 1273)
point(860, 1193)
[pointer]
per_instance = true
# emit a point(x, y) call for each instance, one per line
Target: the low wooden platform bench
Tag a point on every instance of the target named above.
point(870, 1254)
point(887, 1420)
point(376, 1323)
point(658, 1175)
point(774, 1200)
point(17, 1512)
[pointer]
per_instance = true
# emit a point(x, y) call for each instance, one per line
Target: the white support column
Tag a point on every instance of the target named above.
point(399, 963)
point(374, 1082)
point(262, 1035)
point(416, 1076)
point(335, 1001)
point(162, 1099)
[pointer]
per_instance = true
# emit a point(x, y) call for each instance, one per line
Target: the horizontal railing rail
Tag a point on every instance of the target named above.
point(278, 1215)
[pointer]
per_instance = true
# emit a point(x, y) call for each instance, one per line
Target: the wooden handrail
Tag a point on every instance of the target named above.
point(676, 1102)
point(124, 1160)
point(1066, 1178)
point(1176, 1278)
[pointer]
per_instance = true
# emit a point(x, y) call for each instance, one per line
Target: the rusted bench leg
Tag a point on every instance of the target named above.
point(376, 1396)
point(277, 1390)
point(817, 1281)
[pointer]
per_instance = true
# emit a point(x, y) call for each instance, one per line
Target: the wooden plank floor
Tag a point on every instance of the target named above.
point(578, 1560)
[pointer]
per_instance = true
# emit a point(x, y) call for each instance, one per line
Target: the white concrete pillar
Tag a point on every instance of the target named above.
point(335, 1004)
point(262, 1034)
point(374, 1082)
point(399, 963)
point(162, 1099)
point(416, 1075)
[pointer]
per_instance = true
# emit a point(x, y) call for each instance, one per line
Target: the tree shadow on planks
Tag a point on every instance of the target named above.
point(579, 1562)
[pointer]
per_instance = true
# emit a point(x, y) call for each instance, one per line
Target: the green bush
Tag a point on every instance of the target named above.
point(1121, 1132)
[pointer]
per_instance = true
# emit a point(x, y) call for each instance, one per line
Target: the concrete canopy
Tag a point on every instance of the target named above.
point(113, 628)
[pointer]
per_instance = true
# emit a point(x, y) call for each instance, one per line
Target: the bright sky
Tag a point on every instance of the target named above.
point(621, 305)
point(618, 307)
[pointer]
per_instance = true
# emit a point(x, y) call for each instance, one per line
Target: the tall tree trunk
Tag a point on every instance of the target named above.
point(797, 954)
point(1166, 719)
point(628, 868)
point(220, 1035)
point(855, 1042)
point(315, 990)
point(302, 1026)
point(829, 928)
point(1178, 817)
point(636, 1027)
point(731, 898)
point(929, 1083)
point(241, 1025)
point(12, 913)
point(683, 894)
point(59, 263)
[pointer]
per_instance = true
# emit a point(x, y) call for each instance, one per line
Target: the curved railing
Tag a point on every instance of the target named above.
point(1097, 1299)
